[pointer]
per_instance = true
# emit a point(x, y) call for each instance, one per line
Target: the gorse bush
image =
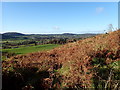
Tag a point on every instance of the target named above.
point(85, 64)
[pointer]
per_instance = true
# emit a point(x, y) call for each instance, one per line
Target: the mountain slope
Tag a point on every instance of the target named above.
point(74, 65)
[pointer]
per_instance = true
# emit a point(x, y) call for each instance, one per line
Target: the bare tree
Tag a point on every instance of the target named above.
point(110, 29)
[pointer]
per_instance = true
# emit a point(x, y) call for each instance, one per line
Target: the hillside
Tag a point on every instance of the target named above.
point(83, 64)
point(20, 36)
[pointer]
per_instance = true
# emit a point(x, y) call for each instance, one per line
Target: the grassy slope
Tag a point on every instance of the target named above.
point(30, 49)
point(72, 62)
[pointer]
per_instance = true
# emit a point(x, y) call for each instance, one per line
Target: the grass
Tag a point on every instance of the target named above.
point(30, 49)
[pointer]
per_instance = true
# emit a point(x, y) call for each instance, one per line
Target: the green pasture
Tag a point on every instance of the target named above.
point(30, 49)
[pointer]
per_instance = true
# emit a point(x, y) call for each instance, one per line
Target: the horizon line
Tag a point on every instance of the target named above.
point(53, 33)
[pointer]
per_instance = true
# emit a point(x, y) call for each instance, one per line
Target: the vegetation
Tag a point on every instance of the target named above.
point(7, 53)
point(84, 64)
point(30, 49)
point(20, 36)
point(15, 40)
point(17, 43)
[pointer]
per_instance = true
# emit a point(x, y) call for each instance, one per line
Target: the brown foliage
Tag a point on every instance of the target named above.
point(74, 60)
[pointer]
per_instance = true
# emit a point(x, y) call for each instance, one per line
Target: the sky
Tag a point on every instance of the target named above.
point(58, 17)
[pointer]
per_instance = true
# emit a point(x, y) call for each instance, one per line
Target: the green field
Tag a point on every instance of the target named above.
point(30, 49)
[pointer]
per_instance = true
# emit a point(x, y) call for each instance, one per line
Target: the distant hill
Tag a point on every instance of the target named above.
point(68, 34)
point(16, 35)
point(20, 34)
point(13, 34)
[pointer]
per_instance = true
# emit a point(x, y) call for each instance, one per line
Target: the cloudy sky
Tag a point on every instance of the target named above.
point(59, 17)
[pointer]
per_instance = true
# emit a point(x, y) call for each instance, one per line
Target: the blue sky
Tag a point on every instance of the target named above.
point(59, 17)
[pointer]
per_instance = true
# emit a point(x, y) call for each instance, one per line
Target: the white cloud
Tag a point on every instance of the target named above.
point(56, 27)
point(99, 9)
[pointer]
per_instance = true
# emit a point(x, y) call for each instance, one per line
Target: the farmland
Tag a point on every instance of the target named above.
point(30, 49)
point(26, 50)
point(14, 43)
